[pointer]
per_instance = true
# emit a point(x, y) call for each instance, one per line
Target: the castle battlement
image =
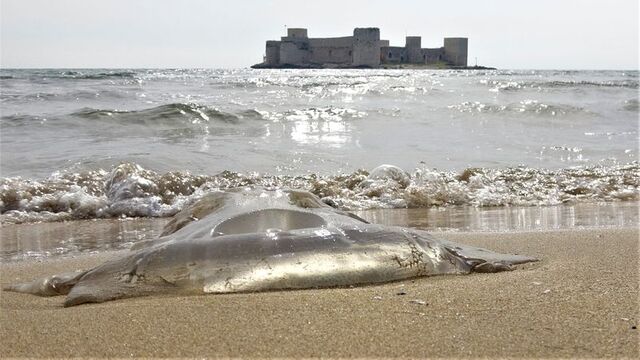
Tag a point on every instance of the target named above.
point(364, 49)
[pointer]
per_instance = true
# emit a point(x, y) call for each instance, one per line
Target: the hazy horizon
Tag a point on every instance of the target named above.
point(244, 67)
point(72, 34)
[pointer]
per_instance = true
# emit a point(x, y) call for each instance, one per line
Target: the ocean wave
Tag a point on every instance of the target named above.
point(167, 112)
point(188, 117)
point(630, 84)
point(129, 190)
point(515, 85)
point(65, 96)
point(524, 107)
point(48, 75)
point(91, 75)
point(18, 120)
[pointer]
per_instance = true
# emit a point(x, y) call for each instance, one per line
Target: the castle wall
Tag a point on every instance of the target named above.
point(346, 41)
point(411, 53)
point(331, 50)
point(294, 51)
point(393, 54)
point(433, 56)
point(366, 47)
point(415, 56)
point(331, 55)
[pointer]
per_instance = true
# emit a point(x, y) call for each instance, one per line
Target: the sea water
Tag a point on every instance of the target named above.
point(105, 143)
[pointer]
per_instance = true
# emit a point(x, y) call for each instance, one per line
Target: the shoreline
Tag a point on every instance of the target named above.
point(580, 300)
point(383, 66)
point(74, 237)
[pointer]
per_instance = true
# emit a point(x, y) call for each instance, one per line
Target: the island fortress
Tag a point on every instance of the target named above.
point(362, 50)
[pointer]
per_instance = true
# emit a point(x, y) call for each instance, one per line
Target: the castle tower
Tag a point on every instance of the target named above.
point(455, 51)
point(272, 53)
point(413, 47)
point(413, 42)
point(294, 48)
point(366, 47)
point(297, 33)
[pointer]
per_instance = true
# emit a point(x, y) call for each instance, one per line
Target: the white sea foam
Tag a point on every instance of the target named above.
point(129, 190)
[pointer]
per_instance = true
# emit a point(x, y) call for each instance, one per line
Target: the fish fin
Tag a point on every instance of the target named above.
point(474, 259)
point(486, 261)
point(105, 289)
point(83, 294)
point(53, 285)
point(124, 285)
point(491, 267)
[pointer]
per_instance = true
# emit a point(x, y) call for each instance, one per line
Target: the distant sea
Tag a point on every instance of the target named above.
point(106, 143)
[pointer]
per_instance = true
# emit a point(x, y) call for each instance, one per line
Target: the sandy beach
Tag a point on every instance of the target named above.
point(581, 300)
point(180, 155)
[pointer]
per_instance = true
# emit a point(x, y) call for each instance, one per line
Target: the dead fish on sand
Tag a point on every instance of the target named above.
point(253, 239)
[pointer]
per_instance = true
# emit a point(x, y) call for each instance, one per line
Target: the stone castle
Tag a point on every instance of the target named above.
point(362, 50)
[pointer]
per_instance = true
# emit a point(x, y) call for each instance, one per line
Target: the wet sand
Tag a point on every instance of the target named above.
point(581, 300)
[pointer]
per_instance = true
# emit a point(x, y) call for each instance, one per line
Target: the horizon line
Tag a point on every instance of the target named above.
point(248, 67)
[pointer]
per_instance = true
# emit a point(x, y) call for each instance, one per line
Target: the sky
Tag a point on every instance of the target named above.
point(511, 34)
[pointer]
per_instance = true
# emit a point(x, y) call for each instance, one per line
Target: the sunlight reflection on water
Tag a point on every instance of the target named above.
point(586, 215)
point(42, 240)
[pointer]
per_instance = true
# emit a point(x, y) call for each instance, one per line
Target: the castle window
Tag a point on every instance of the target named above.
point(330, 52)
point(349, 52)
point(390, 55)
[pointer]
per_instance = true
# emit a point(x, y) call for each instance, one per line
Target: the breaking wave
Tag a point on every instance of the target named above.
point(89, 75)
point(165, 112)
point(129, 190)
point(195, 113)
